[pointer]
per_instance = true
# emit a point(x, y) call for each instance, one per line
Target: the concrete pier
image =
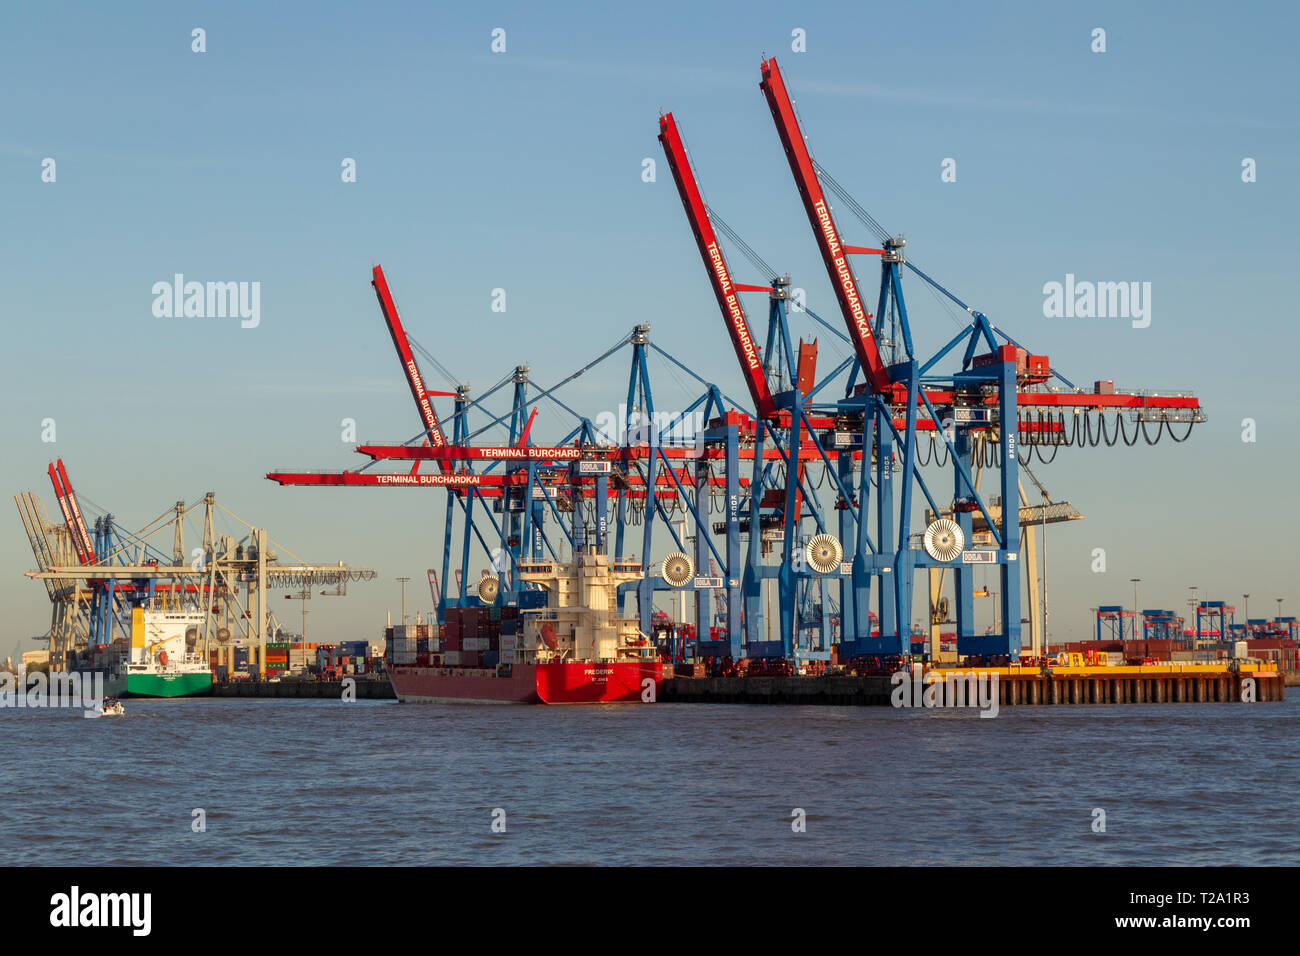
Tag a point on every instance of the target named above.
point(778, 690)
point(1017, 687)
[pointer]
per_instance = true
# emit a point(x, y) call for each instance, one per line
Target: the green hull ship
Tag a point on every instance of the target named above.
point(165, 657)
point(165, 684)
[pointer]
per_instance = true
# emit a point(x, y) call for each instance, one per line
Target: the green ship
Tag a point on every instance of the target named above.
point(166, 658)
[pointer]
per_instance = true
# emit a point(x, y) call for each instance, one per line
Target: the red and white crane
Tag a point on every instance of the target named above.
point(423, 397)
point(834, 252)
point(72, 516)
point(725, 288)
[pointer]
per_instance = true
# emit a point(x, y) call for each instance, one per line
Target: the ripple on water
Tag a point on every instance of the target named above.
point(313, 783)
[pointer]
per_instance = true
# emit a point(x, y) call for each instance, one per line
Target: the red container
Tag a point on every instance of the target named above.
point(451, 642)
point(1160, 648)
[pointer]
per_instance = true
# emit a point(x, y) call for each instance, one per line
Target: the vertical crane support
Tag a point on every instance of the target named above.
point(834, 253)
point(724, 288)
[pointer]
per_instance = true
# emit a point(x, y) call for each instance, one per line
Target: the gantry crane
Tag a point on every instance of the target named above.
point(790, 436)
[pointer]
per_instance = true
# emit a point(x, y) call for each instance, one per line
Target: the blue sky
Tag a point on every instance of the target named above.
point(522, 171)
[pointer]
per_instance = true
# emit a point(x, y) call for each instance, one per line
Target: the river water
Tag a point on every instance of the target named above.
point(322, 782)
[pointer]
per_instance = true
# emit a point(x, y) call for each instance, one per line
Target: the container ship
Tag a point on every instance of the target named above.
point(164, 659)
point(571, 649)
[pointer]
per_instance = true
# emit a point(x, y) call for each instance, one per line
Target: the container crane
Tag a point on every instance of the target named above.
point(720, 277)
point(410, 368)
point(834, 253)
point(71, 510)
point(862, 448)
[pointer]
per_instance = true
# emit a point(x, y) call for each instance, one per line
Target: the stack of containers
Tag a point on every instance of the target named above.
point(403, 646)
point(471, 636)
point(490, 637)
point(510, 629)
point(356, 652)
point(423, 646)
point(472, 618)
point(452, 634)
point(277, 657)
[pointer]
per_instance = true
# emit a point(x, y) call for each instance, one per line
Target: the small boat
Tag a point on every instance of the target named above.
point(109, 707)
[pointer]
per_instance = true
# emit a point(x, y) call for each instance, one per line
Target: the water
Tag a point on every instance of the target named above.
point(324, 782)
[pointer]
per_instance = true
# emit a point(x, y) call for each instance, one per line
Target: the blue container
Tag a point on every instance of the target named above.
point(490, 658)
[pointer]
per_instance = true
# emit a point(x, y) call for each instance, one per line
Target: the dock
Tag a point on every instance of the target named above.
point(1015, 686)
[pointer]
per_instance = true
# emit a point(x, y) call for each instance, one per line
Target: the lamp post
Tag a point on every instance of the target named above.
point(403, 583)
point(1246, 614)
point(1135, 582)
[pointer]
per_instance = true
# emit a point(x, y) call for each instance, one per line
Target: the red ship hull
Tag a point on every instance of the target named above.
point(553, 683)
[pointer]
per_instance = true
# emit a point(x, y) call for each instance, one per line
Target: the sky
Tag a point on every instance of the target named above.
point(522, 170)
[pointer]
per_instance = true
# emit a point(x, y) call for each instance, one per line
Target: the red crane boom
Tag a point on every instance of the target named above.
point(72, 516)
point(726, 290)
point(412, 370)
point(834, 253)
